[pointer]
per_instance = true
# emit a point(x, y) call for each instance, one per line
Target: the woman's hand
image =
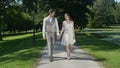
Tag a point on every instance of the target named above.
point(58, 37)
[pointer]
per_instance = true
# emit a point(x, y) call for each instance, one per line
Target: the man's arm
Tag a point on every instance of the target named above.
point(43, 29)
point(57, 27)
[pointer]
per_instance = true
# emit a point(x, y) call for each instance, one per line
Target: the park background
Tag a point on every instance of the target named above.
point(97, 25)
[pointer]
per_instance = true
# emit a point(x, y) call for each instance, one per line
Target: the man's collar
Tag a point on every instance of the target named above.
point(50, 16)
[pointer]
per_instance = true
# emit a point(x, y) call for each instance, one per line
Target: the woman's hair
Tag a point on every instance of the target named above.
point(69, 16)
point(51, 10)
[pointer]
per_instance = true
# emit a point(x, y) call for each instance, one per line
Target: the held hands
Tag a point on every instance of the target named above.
point(58, 37)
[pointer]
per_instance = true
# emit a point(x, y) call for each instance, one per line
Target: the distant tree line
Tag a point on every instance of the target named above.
point(22, 15)
point(103, 13)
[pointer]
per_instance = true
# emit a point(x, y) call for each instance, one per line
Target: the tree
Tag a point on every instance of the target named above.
point(1, 28)
point(117, 13)
point(19, 17)
point(2, 13)
point(103, 12)
point(90, 17)
point(76, 8)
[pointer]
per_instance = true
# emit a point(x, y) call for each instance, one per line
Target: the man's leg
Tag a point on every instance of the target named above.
point(51, 50)
point(52, 43)
point(53, 39)
point(49, 45)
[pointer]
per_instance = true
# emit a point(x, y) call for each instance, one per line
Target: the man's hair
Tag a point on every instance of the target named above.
point(51, 10)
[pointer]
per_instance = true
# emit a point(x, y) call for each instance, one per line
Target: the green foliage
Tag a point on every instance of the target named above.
point(103, 12)
point(38, 19)
point(17, 21)
point(117, 13)
point(76, 8)
point(16, 18)
point(90, 21)
point(22, 17)
point(89, 17)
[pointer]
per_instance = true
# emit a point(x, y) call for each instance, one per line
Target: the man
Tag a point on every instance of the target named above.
point(50, 28)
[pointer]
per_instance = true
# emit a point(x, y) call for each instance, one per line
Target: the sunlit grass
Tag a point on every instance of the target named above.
point(105, 52)
point(19, 51)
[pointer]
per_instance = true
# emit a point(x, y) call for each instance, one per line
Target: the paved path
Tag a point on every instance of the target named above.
point(79, 59)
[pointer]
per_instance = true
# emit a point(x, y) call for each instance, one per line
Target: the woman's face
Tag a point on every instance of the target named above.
point(52, 14)
point(66, 17)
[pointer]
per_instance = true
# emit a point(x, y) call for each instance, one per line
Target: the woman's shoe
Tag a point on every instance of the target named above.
point(69, 58)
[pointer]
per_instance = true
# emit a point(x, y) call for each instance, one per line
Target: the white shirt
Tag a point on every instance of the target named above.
point(50, 18)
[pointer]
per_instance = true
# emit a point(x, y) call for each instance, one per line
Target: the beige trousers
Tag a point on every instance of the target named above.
point(50, 42)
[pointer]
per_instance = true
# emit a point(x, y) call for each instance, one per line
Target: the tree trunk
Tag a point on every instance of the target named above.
point(1, 36)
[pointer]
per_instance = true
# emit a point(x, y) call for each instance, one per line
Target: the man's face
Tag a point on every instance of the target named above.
point(52, 14)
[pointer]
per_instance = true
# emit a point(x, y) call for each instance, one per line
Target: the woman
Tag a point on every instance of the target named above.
point(68, 33)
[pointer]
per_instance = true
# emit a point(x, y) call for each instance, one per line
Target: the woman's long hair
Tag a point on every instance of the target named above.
point(69, 16)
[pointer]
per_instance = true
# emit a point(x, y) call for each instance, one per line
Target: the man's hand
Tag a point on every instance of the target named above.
point(44, 38)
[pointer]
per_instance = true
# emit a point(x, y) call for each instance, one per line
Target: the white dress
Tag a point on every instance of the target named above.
point(67, 37)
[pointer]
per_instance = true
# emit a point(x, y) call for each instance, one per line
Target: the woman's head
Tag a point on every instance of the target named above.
point(67, 16)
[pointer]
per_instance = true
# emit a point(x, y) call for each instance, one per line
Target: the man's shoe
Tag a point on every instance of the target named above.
point(51, 59)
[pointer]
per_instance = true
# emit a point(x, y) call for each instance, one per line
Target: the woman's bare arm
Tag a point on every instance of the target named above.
point(62, 30)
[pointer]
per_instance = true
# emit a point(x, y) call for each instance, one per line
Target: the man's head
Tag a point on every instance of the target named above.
point(52, 12)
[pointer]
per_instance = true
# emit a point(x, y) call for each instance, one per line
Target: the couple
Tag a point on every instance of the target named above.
point(51, 28)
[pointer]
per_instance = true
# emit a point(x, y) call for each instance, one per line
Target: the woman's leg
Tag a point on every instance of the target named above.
point(68, 49)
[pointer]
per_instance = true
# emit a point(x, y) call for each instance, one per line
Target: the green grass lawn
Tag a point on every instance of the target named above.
point(105, 52)
point(19, 51)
